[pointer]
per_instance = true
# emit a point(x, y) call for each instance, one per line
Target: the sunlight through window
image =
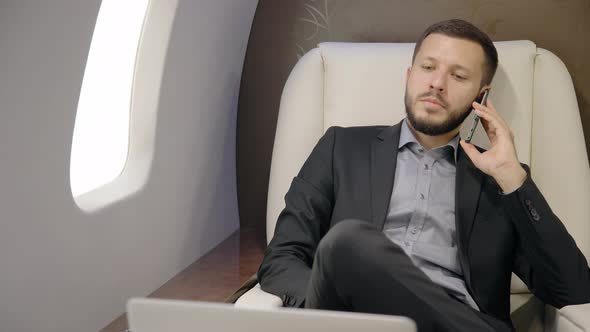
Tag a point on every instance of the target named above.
point(101, 132)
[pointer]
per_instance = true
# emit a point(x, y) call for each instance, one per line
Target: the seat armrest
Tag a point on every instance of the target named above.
point(571, 318)
point(257, 298)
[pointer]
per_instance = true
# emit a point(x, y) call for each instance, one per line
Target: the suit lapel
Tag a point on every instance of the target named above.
point(383, 161)
point(468, 184)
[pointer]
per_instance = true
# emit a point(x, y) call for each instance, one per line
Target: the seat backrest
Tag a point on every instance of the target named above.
point(355, 84)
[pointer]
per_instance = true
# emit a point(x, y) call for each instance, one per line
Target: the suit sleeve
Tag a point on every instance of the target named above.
point(286, 267)
point(547, 258)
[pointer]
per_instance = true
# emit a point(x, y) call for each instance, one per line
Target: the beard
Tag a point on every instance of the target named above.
point(454, 120)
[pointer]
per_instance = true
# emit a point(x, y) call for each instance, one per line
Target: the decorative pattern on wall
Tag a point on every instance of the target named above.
point(318, 17)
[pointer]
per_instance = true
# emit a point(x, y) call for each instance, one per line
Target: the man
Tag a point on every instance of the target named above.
point(411, 220)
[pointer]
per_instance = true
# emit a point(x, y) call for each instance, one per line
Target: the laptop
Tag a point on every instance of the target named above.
point(156, 315)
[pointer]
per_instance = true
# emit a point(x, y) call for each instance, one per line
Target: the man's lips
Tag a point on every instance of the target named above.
point(432, 102)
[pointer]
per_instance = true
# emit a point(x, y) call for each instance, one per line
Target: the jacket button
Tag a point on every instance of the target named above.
point(528, 202)
point(535, 214)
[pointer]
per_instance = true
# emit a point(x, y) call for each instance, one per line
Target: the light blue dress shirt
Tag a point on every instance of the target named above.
point(421, 216)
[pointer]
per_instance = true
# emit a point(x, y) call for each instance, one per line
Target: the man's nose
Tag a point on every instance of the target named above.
point(438, 82)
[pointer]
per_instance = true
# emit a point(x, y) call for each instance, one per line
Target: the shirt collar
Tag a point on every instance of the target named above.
point(407, 136)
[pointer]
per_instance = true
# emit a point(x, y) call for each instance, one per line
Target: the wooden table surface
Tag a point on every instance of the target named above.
point(213, 277)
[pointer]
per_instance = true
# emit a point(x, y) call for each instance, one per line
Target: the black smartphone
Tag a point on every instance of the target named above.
point(482, 101)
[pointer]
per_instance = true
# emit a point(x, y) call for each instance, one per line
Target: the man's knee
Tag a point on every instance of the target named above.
point(345, 237)
point(352, 239)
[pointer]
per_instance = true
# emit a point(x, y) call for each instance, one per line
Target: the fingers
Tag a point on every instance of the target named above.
point(488, 124)
point(471, 152)
point(492, 116)
point(490, 107)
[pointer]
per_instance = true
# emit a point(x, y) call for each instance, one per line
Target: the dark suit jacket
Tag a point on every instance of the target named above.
point(350, 174)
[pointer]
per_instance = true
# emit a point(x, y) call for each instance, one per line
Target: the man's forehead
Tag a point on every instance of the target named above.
point(458, 52)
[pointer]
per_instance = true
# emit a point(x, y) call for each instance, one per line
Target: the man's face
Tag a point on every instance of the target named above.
point(443, 81)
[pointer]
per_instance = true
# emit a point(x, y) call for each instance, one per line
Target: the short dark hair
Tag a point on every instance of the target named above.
point(465, 30)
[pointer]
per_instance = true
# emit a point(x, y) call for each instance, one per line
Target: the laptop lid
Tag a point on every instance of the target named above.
point(156, 315)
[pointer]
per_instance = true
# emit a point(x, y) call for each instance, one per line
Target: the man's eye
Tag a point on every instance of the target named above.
point(459, 77)
point(427, 67)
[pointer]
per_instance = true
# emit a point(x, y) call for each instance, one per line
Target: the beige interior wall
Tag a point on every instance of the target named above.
point(283, 30)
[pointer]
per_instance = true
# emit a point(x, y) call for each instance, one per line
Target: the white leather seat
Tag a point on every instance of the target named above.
point(353, 84)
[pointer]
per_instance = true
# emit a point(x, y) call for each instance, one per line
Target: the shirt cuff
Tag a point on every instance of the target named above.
point(510, 192)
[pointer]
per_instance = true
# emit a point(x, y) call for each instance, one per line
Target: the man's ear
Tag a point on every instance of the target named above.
point(484, 88)
point(408, 73)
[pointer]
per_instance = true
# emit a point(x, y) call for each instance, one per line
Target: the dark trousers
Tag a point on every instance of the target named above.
point(357, 268)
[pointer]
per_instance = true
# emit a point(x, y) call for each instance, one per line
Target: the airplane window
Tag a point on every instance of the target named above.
point(101, 131)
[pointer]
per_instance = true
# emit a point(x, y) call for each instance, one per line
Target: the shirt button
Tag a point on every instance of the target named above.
point(421, 195)
point(420, 150)
point(425, 166)
point(407, 244)
point(414, 231)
